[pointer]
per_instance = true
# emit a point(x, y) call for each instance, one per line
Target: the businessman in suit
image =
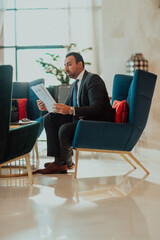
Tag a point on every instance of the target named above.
point(87, 99)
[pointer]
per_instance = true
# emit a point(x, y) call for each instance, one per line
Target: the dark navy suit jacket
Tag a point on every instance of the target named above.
point(93, 100)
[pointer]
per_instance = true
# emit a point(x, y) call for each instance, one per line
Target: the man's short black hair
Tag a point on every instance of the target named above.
point(77, 56)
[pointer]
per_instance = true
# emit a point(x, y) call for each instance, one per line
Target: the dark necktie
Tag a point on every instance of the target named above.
point(75, 93)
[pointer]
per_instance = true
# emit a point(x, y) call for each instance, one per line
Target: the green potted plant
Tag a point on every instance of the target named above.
point(53, 66)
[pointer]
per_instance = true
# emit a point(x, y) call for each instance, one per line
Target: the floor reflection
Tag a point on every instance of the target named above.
point(91, 208)
point(111, 205)
point(109, 187)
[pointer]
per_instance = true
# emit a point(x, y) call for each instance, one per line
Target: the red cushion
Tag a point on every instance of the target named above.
point(122, 111)
point(22, 107)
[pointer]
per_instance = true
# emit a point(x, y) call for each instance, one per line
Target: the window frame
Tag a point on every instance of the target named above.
point(92, 6)
point(23, 47)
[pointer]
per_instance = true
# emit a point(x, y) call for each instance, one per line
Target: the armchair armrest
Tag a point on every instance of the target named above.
point(21, 140)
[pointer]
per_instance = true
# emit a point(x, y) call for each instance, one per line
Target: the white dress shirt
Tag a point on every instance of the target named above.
point(80, 76)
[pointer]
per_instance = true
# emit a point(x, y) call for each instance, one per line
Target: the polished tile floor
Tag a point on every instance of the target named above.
point(108, 201)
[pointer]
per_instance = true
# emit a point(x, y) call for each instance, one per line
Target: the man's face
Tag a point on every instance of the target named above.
point(72, 68)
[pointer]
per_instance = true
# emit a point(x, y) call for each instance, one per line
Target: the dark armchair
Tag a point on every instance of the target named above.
point(119, 137)
point(23, 90)
point(15, 143)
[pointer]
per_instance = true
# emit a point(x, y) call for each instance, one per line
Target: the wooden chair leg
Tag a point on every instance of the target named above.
point(136, 161)
point(76, 163)
point(32, 153)
point(29, 170)
point(125, 158)
point(36, 150)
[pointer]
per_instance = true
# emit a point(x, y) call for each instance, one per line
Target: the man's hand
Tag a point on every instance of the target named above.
point(41, 105)
point(61, 108)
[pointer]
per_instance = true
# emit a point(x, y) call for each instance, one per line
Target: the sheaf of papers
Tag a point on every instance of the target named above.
point(43, 94)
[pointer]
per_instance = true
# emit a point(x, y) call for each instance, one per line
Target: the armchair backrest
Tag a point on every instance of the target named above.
point(5, 104)
point(140, 97)
point(23, 90)
point(138, 91)
point(121, 85)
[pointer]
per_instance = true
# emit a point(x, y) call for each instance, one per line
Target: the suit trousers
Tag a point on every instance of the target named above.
point(60, 131)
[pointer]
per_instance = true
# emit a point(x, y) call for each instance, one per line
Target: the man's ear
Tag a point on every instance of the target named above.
point(80, 64)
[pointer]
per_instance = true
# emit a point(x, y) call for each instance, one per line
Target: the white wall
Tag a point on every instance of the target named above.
point(128, 27)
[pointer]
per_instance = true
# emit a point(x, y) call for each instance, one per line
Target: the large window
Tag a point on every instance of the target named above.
point(34, 27)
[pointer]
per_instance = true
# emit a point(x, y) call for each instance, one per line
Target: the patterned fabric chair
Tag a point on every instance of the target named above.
point(119, 137)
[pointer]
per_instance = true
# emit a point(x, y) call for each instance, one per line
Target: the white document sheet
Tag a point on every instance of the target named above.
point(43, 94)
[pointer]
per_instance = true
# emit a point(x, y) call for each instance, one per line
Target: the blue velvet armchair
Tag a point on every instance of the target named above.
point(15, 143)
point(119, 137)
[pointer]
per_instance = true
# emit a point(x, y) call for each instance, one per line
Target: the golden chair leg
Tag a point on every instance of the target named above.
point(125, 158)
point(123, 155)
point(27, 159)
point(76, 163)
point(36, 150)
point(138, 163)
point(32, 153)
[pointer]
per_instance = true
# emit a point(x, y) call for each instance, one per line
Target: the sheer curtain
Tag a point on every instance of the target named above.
point(3, 4)
point(97, 35)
